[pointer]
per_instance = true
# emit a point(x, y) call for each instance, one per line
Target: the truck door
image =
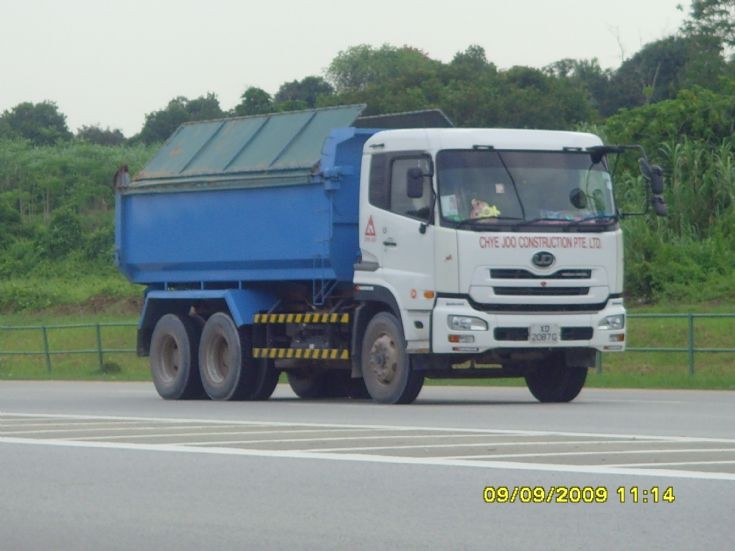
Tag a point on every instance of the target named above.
point(392, 237)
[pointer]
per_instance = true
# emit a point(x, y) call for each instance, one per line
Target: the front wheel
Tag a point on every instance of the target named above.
point(556, 382)
point(386, 365)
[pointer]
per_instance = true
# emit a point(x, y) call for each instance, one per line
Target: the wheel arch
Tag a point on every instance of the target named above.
point(240, 304)
point(373, 300)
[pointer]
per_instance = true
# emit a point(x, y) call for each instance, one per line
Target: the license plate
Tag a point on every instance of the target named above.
point(544, 332)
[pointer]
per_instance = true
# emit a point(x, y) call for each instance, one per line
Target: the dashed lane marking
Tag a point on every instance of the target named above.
point(553, 451)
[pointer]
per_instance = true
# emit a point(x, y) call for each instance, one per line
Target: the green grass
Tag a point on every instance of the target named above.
point(80, 292)
point(619, 370)
point(118, 366)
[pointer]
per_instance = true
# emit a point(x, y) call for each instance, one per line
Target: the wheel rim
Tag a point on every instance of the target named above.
point(218, 359)
point(170, 359)
point(384, 359)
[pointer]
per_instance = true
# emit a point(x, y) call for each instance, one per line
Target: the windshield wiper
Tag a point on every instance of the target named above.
point(565, 222)
point(469, 221)
point(595, 218)
point(542, 219)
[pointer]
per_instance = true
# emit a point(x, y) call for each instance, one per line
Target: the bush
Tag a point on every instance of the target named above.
point(99, 245)
point(63, 235)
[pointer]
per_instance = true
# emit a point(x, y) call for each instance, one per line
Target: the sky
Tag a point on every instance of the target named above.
point(109, 63)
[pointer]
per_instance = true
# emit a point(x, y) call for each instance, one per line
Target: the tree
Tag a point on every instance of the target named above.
point(715, 18)
point(469, 64)
point(100, 136)
point(255, 101)
point(587, 74)
point(664, 67)
point(307, 90)
point(360, 67)
point(204, 108)
point(41, 123)
point(10, 223)
point(160, 124)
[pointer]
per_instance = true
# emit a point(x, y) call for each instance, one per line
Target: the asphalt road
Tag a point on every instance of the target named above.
point(95, 465)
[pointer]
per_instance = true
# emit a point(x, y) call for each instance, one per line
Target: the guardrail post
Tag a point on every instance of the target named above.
point(100, 356)
point(690, 320)
point(46, 351)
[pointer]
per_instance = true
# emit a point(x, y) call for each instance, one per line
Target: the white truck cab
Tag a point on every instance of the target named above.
point(506, 242)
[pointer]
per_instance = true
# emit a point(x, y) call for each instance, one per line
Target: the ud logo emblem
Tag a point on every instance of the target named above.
point(543, 259)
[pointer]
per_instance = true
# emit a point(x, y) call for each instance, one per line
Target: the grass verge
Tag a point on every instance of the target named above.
point(618, 370)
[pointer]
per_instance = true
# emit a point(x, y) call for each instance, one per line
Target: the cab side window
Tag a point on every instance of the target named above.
point(379, 189)
point(400, 202)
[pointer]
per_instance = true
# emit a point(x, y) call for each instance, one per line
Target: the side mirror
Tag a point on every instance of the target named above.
point(645, 168)
point(415, 183)
point(654, 175)
point(659, 205)
point(578, 198)
point(657, 180)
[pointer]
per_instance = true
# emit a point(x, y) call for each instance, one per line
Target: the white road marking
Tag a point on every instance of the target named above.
point(405, 437)
point(167, 434)
point(480, 444)
point(676, 464)
point(428, 461)
point(458, 461)
point(68, 423)
point(257, 433)
point(615, 452)
point(108, 427)
point(408, 428)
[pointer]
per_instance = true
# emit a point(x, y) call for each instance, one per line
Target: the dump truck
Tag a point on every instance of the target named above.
point(360, 260)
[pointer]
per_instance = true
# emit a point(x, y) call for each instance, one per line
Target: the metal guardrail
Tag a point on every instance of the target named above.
point(690, 349)
point(47, 352)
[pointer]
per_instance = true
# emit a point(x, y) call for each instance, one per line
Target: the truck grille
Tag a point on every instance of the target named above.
point(542, 291)
point(525, 274)
point(494, 307)
point(521, 333)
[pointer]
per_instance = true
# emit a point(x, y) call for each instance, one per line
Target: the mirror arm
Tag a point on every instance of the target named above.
point(424, 225)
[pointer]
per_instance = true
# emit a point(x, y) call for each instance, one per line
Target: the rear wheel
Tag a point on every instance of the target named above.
point(556, 382)
point(174, 358)
point(267, 379)
point(227, 374)
point(386, 365)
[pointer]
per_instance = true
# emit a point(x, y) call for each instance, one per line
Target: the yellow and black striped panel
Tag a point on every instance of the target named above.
point(302, 353)
point(311, 317)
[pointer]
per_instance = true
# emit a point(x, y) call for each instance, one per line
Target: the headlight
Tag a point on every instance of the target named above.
point(612, 323)
point(466, 323)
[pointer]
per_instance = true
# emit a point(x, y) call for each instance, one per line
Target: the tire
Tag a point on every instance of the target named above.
point(385, 363)
point(174, 360)
point(267, 380)
point(315, 383)
point(556, 382)
point(358, 390)
point(225, 373)
point(307, 384)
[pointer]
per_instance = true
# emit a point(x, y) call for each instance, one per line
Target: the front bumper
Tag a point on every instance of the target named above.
point(512, 330)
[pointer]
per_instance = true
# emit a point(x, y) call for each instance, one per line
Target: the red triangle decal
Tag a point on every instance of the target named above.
point(370, 230)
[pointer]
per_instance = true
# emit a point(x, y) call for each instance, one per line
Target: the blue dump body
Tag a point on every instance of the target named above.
point(256, 199)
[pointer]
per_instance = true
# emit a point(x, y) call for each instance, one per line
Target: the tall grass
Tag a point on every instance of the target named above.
point(690, 255)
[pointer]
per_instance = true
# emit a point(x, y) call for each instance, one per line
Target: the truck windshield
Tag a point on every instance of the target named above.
point(490, 189)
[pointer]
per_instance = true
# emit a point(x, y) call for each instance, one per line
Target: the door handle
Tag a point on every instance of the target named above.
point(389, 242)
